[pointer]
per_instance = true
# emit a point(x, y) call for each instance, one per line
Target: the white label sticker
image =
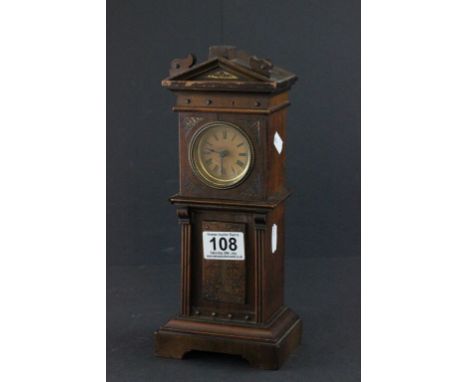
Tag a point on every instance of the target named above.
point(223, 245)
point(274, 238)
point(278, 142)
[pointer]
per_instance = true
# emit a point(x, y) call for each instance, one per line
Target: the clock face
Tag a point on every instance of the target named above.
point(221, 154)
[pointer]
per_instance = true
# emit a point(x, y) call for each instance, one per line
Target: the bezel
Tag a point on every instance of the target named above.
point(200, 170)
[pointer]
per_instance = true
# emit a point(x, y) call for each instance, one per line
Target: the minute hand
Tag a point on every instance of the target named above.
point(222, 165)
point(222, 154)
point(212, 151)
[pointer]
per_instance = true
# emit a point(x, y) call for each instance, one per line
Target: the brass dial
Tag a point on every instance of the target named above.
point(221, 154)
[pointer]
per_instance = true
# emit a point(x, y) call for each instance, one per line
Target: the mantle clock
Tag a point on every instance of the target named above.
point(232, 133)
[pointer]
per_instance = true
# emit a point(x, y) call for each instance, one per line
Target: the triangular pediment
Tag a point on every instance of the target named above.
point(221, 74)
point(227, 70)
point(219, 70)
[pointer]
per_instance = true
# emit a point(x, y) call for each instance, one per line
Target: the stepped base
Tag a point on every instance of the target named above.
point(265, 347)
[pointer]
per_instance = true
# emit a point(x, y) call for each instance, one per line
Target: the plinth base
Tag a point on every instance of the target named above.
point(266, 347)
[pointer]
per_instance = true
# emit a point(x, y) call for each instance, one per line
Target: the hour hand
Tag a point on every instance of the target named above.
point(222, 165)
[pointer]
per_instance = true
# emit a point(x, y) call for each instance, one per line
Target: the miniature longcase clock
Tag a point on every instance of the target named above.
point(232, 133)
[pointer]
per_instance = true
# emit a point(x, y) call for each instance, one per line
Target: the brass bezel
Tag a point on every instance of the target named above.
point(200, 170)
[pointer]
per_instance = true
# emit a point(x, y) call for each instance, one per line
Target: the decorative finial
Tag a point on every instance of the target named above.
point(178, 65)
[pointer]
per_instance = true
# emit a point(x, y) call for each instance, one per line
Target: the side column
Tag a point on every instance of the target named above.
point(185, 249)
point(260, 229)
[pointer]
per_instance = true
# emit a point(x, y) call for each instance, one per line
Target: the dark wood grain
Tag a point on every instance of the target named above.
point(233, 306)
point(265, 346)
point(248, 73)
point(224, 281)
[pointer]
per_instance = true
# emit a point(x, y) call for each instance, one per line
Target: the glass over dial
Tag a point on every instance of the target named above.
point(221, 154)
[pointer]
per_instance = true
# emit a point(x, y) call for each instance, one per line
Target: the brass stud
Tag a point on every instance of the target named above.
point(208, 102)
point(247, 317)
point(229, 315)
point(213, 314)
point(197, 312)
point(257, 103)
point(187, 100)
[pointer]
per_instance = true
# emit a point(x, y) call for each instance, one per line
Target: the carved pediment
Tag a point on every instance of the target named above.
point(220, 74)
point(218, 70)
point(228, 69)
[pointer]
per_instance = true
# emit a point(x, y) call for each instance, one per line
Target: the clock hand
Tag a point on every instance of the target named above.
point(222, 154)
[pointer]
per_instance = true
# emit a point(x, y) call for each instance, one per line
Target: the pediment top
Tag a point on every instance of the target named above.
point(228, 69)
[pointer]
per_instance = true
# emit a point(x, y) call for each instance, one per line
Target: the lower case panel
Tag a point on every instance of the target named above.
point(224, 280)
point(222, 261)
point(232, 284)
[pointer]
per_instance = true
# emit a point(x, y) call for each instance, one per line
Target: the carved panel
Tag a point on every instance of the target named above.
point(249, 124)
point(224, 280)
point(222, 75)
point(191, 121)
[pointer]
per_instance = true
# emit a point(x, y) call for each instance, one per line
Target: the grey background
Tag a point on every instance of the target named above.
point(320, 42)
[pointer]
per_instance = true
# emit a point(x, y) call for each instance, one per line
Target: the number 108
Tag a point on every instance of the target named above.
point(223, 243)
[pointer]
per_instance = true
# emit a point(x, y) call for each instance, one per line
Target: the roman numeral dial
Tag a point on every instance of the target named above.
point(221, 154)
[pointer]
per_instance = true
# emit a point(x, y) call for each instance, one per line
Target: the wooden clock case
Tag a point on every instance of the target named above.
point(233, 307)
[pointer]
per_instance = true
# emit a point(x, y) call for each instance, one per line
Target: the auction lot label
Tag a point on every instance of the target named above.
point(223, 245)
